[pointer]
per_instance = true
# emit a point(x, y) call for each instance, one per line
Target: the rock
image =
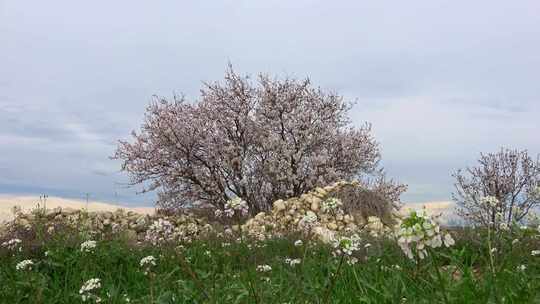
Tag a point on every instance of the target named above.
point(260, 216)
point(320, 192)
point(332, 226)
point(324, 234)
point(279, 205)
point(130, 234)
point(315, 203)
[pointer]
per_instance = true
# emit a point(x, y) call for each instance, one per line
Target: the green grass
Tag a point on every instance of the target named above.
point(205, 271)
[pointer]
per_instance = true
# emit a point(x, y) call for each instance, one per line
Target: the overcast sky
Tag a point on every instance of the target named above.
point(440, 81)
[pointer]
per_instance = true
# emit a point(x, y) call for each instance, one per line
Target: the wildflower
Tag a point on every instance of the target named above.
point(147, 263)
point(88, 246)
point(493, 250)
point(12, 244)
point(417, 232)
point(515, 241)
point(308, 221)
point(160, 231)
point(521, 267)
point(535, 252)
point(448, 240)
point(88, 289)
point(298, 243)
point(264, 268)
point(24, 265)
point(346, 245)
point(292, 262)
point(331, 205)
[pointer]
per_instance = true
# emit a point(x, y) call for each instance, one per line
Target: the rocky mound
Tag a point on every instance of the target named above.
point(322, 212)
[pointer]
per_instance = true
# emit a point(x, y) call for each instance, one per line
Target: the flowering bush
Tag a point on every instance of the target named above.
point(236, 206)
point(417, 232)
point(490, 201)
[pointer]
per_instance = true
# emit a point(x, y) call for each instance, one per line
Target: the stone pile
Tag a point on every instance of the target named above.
point(287, 215)
point(322, 208)
point(132, 224)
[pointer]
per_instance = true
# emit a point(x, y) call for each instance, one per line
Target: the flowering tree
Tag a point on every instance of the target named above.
point(502, 189)
point(257, 140)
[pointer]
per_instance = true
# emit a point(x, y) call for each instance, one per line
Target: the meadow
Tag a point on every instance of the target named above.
point(73, 264)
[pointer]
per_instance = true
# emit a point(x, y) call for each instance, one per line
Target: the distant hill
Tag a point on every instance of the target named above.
point(7, 202)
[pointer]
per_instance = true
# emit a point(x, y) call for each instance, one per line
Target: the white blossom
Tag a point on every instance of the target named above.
point(88, 289)
point(292, 262)
point(331, 205)
point(264, 268)
point(88, 246)
point(24, 265)
point(418, 231)
point(490, 201)
point(12, 244)
point(147, 263)
point(234, 206)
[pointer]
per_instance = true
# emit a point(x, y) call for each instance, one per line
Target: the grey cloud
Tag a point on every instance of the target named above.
point(440, 81)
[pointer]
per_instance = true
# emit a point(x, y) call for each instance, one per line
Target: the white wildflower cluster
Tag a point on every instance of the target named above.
point(161, 231)
point(235, 206)
point(24, 265)
point(308, 221)
point(346, 245)
point(298, 243)
point(88, 289)
point(264, 268)
point(13, 244)
point(292, 262)
point(331, 205)
point(147, 263)
point(490, 201)
point(419, 231)
point(88, 246)
point(535, 252)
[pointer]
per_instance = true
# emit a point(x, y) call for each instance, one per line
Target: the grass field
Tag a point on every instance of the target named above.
point(481, 267)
